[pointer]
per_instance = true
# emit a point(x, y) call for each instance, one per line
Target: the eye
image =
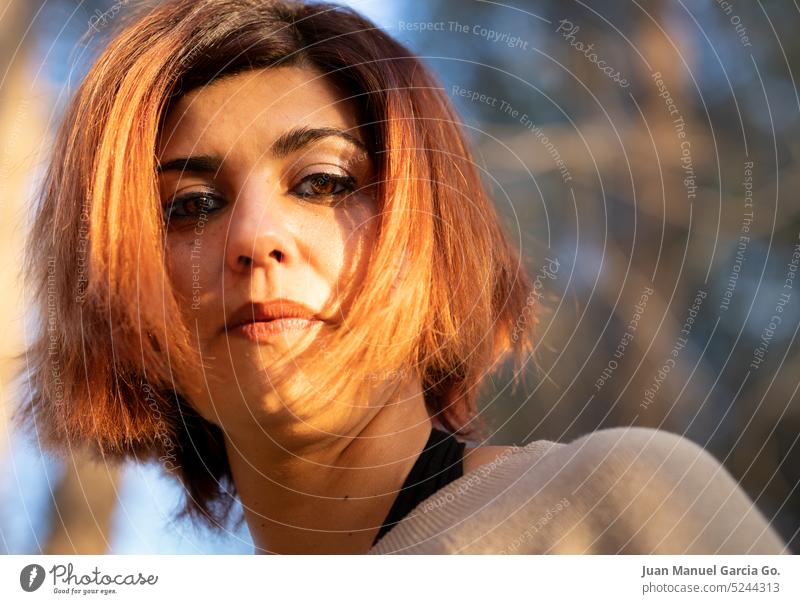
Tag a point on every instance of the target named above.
point(324, 184)
point(193, 205)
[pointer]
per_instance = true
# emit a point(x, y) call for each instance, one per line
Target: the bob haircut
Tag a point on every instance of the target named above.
point(445, 293)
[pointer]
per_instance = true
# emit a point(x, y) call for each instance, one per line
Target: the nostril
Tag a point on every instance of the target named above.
point(249, 261)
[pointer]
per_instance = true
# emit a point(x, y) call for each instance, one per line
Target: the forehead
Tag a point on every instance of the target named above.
point(259, 104)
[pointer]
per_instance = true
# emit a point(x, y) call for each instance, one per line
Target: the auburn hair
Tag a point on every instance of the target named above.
point(444, 291)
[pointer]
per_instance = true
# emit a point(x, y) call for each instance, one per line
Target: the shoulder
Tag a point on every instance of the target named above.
point(621, 490)
point(600, 448)
point(640, 490)
point(480, 456)
point(609, 451)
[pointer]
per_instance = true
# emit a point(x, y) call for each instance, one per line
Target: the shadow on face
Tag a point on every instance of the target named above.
point(268, 197)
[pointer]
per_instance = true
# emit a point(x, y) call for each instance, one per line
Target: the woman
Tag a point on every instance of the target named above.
point(266, 259)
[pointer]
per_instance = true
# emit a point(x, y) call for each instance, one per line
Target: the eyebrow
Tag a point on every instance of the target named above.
point(287, 143)
point(297, 138)
point(201, 164)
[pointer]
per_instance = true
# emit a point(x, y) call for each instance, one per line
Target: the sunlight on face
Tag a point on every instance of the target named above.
point(265, 183)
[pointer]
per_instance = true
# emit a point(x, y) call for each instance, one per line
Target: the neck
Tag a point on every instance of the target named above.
point(328, 495)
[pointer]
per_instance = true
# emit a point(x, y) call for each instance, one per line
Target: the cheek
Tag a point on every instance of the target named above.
point(357, 235)
point(193, 262)
point(179, 265)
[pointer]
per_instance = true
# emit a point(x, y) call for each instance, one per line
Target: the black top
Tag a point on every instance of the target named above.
point(440, 463)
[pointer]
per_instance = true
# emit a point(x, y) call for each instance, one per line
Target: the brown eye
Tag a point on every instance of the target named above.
point(323, 184)
point(193, 205)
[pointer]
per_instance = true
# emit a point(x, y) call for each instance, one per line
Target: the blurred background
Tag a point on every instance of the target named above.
point(644, 156)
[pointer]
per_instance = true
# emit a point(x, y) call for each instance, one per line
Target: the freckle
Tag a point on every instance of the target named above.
point(346, 496)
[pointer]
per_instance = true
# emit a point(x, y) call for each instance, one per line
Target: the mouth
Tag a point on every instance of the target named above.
point(264, 331)
point(264, 321)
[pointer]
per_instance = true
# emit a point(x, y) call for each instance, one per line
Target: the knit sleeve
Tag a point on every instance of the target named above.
point(620, 490)
point(640, 491)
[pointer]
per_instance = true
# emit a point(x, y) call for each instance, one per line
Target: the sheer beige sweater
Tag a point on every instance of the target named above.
point(620, 490)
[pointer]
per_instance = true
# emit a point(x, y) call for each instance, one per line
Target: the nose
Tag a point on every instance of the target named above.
point(259, 232)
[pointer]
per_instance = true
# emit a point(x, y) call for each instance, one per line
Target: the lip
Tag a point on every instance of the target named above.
point(263, 321)
point(262, 331)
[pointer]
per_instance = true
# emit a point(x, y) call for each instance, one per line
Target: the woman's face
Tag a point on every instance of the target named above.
point(264, 181)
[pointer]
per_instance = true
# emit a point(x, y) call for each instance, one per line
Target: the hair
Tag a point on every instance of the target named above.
point(108, 368)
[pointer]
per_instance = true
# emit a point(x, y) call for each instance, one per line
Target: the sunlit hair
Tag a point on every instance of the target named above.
point(112, 363)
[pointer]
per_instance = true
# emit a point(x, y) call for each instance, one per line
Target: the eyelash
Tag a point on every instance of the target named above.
point(207, 199)
point(344, 184)
point(339, 180)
